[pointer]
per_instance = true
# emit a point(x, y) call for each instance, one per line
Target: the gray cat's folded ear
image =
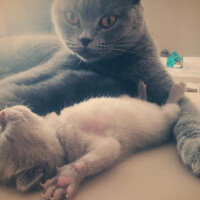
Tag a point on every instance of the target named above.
point(29, 179)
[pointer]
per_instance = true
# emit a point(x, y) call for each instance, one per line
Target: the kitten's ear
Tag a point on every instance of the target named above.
point(28, 179)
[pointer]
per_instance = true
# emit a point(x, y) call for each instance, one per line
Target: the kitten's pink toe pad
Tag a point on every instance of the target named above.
point(79, 167)
point(64, 181)
point(2, 117)
point(59, 194)
point(70, 191)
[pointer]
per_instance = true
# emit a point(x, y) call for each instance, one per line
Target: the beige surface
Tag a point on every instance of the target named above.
point(156, 174)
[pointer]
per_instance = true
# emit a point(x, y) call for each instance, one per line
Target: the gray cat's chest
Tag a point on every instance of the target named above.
point(123, 70)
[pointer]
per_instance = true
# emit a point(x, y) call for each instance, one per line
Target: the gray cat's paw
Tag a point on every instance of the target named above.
point(190, 154)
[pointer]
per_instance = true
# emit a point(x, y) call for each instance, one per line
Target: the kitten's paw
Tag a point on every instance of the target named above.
point(142, 94)
point(190, 153)
point(176, 93)
point(64, 185)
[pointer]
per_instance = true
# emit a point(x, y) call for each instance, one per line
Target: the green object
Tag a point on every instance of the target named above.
point(170, 61)
point(173, 59)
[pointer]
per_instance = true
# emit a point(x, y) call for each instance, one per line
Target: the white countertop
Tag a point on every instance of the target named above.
point(191, 68)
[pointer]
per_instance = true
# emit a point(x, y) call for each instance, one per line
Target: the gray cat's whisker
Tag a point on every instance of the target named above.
point(131, 52)
point(124, 41)
point(123, 50)
point(49, 50)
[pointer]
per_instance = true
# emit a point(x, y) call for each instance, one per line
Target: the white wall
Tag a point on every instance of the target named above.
point(2, 24)
point(175, 24)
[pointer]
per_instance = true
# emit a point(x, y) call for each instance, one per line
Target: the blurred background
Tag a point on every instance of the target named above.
point(174, 24)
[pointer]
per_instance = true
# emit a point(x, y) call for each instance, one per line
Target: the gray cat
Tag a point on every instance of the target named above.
point(83, 140)
point(105, 49)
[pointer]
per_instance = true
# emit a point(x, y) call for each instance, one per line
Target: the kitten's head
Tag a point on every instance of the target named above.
point(93, 29)
point(28, 153)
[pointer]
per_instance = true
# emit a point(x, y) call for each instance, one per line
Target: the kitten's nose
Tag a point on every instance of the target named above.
point(85, 41)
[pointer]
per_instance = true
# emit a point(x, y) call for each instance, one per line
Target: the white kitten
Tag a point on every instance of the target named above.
point(83, 140)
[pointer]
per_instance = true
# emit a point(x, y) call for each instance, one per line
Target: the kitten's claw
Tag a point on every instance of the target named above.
point(42, 184)
point(43, 195)
point(58, 169)
point(49, 183)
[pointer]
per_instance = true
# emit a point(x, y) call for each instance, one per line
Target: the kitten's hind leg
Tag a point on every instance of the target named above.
point(176, 92)
point(142, 93)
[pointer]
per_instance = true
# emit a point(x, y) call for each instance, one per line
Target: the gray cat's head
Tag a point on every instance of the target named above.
point(26, 155)
point(93, 29)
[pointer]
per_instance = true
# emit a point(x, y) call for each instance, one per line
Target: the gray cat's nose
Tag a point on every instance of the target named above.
point(85, 41)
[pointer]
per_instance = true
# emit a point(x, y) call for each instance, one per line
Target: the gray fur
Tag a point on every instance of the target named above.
point(71, 76)
point(128, 27)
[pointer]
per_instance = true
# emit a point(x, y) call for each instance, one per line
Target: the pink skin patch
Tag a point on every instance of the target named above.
point(95, 127)
point(64, 181)
point(79, 167)
point(2, 117)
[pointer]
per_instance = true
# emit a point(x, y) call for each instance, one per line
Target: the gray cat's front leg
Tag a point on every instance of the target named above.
point(187, 128)
point(101, 154)
point(187, 132)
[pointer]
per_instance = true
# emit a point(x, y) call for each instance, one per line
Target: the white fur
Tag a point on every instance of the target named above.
point(131, 121)
point(91, 136)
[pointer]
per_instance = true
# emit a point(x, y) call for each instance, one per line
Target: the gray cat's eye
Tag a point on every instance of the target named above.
point(108, 21)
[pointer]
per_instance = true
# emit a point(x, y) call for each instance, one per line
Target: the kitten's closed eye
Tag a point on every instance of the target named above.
point(72, 18)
